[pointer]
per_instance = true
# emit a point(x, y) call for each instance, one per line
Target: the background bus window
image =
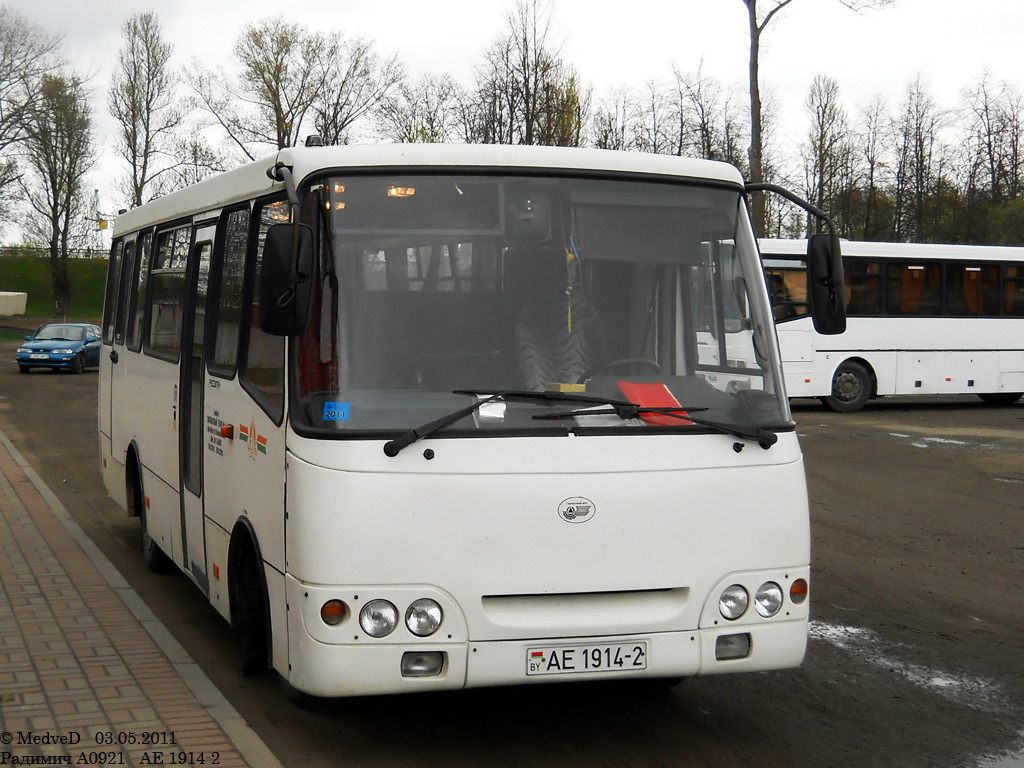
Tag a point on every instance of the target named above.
point(137, 310)
point(787, 287)
point(168, 292)
point(264, 359)
point(1013, 291)
point(972, 290)
point(914, 289)
point(863, 287)
point(227, 329)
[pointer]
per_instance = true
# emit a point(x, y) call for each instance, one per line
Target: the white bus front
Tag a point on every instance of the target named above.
point(538, 432)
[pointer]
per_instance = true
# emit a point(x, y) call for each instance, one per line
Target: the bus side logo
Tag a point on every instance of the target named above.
point(576, 509)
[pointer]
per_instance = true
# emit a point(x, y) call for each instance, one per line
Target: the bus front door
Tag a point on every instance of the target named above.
point(192, 430)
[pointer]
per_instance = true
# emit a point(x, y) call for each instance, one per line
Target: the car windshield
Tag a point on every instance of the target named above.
point(436, 289)
point(60, 333)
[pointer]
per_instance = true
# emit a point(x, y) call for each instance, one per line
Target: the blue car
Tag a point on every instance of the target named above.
point(69, 346)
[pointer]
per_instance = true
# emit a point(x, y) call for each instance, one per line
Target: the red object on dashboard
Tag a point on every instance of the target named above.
point(654, 395)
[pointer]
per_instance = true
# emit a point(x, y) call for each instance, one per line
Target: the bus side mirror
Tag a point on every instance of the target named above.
point(826, 287)
point(286, 279)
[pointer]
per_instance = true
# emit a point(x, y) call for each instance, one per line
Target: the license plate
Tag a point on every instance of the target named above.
point(577, 659)
point(40, 357)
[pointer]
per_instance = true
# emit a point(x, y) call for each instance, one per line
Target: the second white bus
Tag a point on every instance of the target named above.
point(922, 320)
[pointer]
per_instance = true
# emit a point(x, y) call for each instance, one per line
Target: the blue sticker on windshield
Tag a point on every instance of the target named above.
point(336, 411)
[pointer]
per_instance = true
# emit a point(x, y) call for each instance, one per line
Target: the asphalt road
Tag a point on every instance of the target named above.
point(917, 640)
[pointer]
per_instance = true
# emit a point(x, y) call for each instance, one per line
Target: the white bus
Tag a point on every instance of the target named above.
point(922, 320)
point(432, 417)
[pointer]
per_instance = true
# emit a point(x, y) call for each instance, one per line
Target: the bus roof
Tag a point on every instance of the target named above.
point(877, 250)
point(251, 179)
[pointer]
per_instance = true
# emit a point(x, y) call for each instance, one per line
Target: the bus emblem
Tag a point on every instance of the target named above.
point(576, 509)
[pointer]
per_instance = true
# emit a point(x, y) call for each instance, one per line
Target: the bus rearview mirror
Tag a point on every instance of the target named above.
point(286, 279)
point(826, 289)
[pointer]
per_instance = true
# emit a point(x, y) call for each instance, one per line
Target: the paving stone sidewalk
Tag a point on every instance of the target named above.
point(88, 674)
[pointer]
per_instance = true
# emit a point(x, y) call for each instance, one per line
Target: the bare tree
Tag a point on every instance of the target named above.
point(654, 124)
point(826, 152)
point(356, 81)
point(757, 21)
point(525, 93)
point(611, 121)
point(142, 100)
point(283, 68)
point(427, 111)
point(60, 153)
point(915, 137)
point(26, 54)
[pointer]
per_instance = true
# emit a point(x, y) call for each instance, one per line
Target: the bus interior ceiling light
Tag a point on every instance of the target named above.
point(401, 191)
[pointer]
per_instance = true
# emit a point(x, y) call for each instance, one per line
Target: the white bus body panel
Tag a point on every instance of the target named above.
point(676, 519)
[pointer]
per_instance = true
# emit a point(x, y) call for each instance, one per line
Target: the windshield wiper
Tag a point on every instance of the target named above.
point(393, 447)
point(763, 437)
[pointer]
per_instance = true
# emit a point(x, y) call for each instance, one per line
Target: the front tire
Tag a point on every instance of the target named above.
point(253, 614)
point(851, 388)
point(24, 368)
point(79, 365)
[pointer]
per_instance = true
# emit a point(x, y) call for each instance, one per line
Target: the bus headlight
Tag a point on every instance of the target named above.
point(768, 600)
point(733, 602)
point(378, 618)
point(423, 617)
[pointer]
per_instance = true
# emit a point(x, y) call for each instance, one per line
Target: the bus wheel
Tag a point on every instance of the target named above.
point(851, 388)
point(156, 559)
point(1001, 398)
point(253, 616)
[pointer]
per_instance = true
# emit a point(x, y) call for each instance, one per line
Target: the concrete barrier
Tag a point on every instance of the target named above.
point(12, 303)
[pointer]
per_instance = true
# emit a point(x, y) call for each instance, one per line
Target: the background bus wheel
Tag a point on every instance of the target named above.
point(1001, 398)
point(851, 388)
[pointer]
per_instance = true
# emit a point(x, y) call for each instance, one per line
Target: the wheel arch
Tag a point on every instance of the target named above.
point(133, 470)
point(243, 549)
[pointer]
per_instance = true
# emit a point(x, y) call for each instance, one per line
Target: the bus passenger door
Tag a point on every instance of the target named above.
point(191, 433)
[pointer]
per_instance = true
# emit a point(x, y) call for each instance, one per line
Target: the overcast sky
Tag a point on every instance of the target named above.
point(948, 43)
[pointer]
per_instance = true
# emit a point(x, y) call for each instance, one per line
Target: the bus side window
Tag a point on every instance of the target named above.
point(264, 358)
point(1013, 290)
point(233, 239)
point(168, 293)
point(972, 290)
point(863, 287)
point(137, 309)
point(124, 285)
point(110, 297)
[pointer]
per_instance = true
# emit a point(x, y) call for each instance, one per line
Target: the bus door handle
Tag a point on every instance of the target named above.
point(113, 355)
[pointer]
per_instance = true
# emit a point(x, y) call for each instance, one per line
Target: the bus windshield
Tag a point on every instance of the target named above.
point(434, 289)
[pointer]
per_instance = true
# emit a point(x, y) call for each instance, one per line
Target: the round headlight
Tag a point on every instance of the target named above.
point(733, 602)
point(768, 599)
point(378, 618)
point(423, 617)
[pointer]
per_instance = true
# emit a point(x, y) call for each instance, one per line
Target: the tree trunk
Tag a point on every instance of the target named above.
point(755, 152)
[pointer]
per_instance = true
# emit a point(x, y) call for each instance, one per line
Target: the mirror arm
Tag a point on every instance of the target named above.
point(811, 209)
point(282, 172)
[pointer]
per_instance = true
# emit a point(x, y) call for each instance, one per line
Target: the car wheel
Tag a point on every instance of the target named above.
point(24, 368)
point(851, 388)
point(79, 365)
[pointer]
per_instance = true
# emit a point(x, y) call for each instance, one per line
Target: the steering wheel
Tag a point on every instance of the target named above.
point(616, 363)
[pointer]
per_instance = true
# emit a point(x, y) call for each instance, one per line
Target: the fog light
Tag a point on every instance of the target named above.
point(422, 663)
point(728, 647)
point(733, 602)
point(378, 618)
point(333, 612)
point(768, 600)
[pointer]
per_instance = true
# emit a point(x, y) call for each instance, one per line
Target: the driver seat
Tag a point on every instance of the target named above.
point(558, 338)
